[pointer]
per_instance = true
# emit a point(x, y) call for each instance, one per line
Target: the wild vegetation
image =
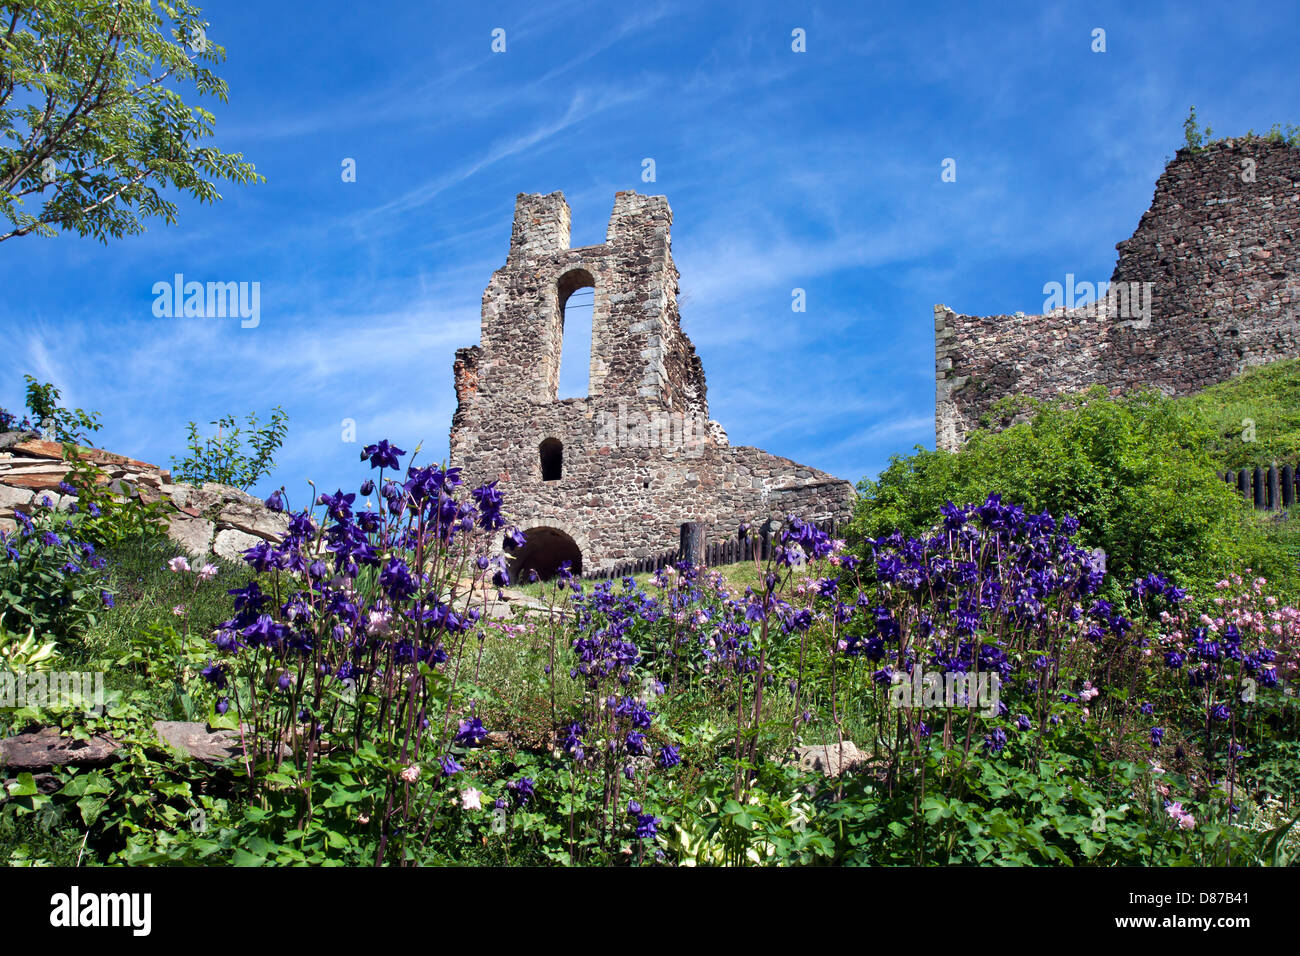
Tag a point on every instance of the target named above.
point(1006, 693)
point(1140, 473)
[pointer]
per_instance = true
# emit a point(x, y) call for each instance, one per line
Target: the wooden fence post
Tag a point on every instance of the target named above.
point(692, 543)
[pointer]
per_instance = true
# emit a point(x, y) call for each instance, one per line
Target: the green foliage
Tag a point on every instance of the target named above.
point(53, 578)
point(224, 457)
point(93, 125)
point(25, 653)
point(155, 637)
point(1277, 133)
point(1066, 810)
point(51, 583)
point(1081, 784)
point(107, 519)
point(1254, 417)
point(1138, 472)
point(38, 839)
point(63, 424)
point(1195, 137)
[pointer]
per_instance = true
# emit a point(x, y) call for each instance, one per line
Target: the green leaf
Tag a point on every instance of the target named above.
point(24, 785)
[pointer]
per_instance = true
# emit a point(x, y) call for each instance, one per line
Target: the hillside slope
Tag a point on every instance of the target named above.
point(1255, 417)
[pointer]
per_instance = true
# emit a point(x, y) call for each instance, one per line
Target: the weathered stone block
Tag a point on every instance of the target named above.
point(230, 544)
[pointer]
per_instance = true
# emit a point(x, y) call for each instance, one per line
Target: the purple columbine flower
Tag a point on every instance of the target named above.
point(521, 790)
point(383, 455)
point(449, 765)
point(471, 732)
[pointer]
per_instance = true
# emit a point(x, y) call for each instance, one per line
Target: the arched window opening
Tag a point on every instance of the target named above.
point(576, 294)
point(552, 456)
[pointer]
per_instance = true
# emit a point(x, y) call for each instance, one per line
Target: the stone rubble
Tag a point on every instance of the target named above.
point(203, 520)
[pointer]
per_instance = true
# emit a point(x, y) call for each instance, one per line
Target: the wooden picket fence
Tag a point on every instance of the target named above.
point(1267, 489)
point(698, 550)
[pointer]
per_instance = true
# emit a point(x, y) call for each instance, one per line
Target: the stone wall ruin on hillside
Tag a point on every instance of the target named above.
point(1218, 247)
point(211, 518)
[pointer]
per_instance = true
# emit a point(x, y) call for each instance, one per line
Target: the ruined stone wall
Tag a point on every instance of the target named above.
point(211, 519)
point(1218, 247)
point(626, 487)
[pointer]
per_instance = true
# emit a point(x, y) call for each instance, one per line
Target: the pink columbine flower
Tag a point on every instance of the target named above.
point(1184, 819)
point(207, 572)
point(179, 563)
point(411, 773)
point(470, 799)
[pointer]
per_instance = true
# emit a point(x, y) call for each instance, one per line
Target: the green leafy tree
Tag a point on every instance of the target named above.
point(93, 128)
point(233, 456)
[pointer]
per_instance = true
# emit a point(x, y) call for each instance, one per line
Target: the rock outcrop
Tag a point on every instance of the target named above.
point(210, 518)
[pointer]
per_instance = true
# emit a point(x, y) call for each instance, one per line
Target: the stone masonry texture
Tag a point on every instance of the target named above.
point(638, 456)
point(1218, 246)
point(201, 520)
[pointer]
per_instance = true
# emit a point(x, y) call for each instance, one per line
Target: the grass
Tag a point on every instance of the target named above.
point(516, 669)
point(147, 593)
point(40, 839)
point(739, 576)
point(1255, 416)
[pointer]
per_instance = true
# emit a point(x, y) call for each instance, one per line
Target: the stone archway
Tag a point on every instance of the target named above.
point(545, 549)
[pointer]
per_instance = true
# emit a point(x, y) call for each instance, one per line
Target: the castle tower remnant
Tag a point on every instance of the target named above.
point(612, 476)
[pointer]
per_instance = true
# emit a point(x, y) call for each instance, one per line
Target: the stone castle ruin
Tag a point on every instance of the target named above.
point(1208, 286)
point(611, 477)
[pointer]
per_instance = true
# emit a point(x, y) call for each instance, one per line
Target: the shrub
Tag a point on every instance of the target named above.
point(384, 717)
point(224, 457)
point(105, 518)
point(353, 663)
point(61, 424)
point(51, 579)
point(1136, 472)
point(1055, 764)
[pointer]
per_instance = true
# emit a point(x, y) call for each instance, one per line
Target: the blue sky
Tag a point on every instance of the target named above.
point(818, 170)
